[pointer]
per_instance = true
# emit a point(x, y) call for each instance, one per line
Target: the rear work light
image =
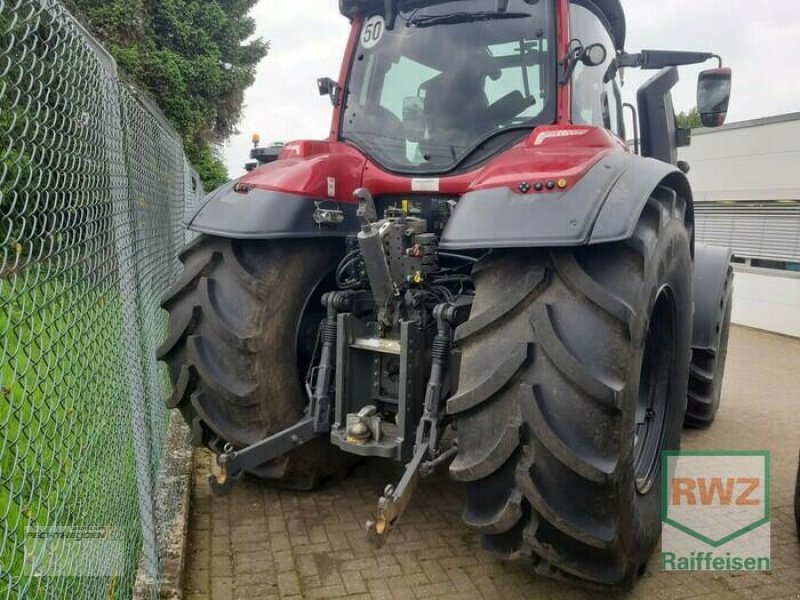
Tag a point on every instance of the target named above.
point(243, 188)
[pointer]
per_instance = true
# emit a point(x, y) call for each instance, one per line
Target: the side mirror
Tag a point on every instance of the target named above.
point(594, 55)
point(328, 87)
point(414, 119)
point(713, 96)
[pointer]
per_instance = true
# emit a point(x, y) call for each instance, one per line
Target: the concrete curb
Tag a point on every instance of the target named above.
point(173, 493)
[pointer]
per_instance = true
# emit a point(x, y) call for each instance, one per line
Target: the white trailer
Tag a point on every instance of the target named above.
point(746, 182)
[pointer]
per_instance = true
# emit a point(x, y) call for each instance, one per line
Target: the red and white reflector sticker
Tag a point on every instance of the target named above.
point(558, 133)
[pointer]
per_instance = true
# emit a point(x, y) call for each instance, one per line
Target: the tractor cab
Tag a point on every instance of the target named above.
point(440, 87)
point(449, 84)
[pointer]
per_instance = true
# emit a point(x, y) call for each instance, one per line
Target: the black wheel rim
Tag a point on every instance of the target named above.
point(655, 384)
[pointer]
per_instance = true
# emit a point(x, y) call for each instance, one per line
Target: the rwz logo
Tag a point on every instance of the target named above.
point(716, 501)
point(704, 490)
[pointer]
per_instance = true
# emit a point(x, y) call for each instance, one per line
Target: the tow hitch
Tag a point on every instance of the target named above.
point(427, 453)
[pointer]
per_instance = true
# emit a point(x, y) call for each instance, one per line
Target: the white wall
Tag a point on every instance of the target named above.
point(766, 300)
point(754, 160)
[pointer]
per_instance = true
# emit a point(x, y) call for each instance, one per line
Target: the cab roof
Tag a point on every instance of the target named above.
point(612, 9)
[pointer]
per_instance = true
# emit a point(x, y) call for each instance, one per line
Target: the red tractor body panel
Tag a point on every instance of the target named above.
point(306, 167)
point(331, 169)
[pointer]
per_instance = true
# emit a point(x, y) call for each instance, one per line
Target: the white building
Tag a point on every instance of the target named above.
point(746, 182)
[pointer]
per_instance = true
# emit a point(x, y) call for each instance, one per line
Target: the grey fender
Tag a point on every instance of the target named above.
point(265, 214)
point(604, 206)
point(711, 265)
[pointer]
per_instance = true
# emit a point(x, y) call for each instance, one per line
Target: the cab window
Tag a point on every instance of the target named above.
point(404, 79)
point(521, 71)
point(596, 96)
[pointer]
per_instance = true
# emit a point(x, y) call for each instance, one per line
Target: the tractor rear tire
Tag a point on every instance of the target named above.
point(235, 319)
point(707, 369)
point(564, 352)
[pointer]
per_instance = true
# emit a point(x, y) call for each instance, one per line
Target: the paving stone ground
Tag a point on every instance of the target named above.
point(259, 543)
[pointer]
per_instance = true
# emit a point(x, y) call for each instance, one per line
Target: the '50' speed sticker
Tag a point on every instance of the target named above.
point(373, 31)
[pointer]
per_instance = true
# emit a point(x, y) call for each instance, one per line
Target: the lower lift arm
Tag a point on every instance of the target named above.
point(317, 417)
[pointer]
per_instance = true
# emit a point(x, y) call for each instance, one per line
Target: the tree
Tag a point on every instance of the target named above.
point(191, 56)
point(690, 120)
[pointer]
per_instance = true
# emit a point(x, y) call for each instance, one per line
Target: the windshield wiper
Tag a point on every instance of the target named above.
point(464, 17)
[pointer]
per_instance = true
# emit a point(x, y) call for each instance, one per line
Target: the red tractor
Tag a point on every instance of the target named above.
point(474, 268)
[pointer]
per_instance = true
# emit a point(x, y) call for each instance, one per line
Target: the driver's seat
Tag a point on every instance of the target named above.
point(455, 109)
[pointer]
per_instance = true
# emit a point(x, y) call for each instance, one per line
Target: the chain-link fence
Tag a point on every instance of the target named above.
point(93, 183)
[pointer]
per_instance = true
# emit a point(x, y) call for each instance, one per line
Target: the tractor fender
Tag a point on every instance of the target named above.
point(267, 214)
point(603, 206)
point(711, 265)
